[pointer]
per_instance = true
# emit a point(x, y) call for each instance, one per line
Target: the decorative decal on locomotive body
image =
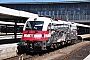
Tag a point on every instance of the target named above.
point(44, 29)
point(43, 32)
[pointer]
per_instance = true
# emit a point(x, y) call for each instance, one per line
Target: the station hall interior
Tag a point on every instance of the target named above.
point(78, 12)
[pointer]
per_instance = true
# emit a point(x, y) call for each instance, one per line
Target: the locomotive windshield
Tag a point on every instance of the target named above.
point(34, 25)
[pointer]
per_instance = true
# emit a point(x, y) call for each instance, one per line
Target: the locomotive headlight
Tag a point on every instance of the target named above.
point(22, 42)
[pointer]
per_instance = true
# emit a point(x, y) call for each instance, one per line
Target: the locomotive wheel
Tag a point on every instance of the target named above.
point(68, 41)
point(62, 43)
point(73, 41)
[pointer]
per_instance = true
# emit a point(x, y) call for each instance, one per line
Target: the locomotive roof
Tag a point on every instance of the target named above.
point(40, 19)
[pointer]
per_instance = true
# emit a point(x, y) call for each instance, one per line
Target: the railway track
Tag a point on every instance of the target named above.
point(61, 53)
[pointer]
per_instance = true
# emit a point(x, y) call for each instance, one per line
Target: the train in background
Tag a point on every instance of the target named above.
point(44, 32)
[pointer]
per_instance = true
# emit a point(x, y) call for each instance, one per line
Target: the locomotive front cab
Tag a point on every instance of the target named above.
point(35, 34)
point(34, 31)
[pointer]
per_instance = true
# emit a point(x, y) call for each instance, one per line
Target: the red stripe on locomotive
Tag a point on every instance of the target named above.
point(32, 37)
point(35, 39)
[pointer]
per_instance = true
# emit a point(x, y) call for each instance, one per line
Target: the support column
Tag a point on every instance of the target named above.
point(89, 30)
point(6, 28)
point(15, 29)
point(0, 28)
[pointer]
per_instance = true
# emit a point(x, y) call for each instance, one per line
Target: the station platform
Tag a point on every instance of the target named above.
point(7, 39)
point(84, 36)
point(8, 50)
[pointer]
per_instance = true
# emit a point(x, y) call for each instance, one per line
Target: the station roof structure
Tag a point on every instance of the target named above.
point(82, 25)
point(11, 14)
point(61, 2)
